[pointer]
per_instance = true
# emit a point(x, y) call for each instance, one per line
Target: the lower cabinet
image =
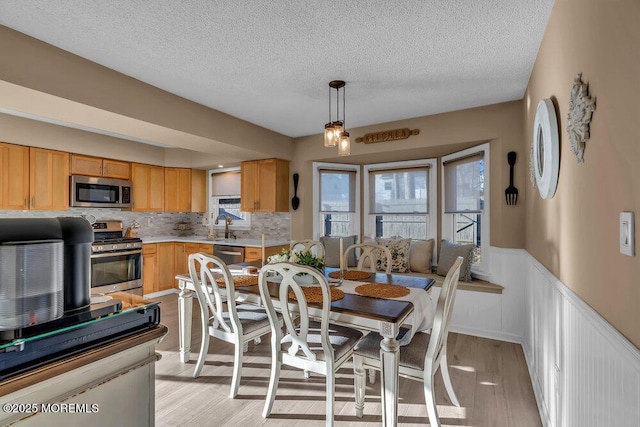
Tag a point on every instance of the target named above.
point(163, 261)
point(255, 254)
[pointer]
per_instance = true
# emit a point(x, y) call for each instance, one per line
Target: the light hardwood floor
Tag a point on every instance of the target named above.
point(490, 378)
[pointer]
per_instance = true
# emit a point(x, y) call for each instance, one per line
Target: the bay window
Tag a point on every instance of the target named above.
point(336, 192)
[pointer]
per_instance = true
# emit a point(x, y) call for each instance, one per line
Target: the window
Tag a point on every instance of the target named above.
point(399, 197)
point(465, 188)
point(335, 194)
point(225, 199)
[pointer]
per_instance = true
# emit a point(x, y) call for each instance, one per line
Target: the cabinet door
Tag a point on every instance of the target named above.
point(116, 169)
point(180, 258)
point(205, 248)
point(85, 165)
point(267, 186)
point(14, 176)
point(148, 187)
point(48, 179)
point(248, 186)
point(156, 189)
point(166, 270)
point(198, 190)
point(177, 190)
point(150, 268)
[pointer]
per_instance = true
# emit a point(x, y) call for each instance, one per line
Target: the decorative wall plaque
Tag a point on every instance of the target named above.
point(581, 107)
point(387, 135)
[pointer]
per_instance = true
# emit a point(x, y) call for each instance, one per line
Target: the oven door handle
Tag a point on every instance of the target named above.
point(108, 254)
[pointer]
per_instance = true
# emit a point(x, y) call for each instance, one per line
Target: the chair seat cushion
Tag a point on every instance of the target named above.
point(412, 355)
point(251, 318)
point(342, 339)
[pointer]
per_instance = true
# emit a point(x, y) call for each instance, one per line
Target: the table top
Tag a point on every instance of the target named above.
point(385, 310)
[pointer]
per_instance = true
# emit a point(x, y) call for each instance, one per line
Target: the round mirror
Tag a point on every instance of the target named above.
point(546, 149)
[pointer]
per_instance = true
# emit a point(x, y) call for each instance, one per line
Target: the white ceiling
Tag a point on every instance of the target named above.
point(269, 62)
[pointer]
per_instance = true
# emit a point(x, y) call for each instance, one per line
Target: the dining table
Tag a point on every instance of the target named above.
point(384, 316)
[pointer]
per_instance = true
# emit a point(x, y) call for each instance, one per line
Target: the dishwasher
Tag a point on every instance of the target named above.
point(229, 254)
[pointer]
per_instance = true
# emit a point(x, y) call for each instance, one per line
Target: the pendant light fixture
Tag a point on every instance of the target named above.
point(334, 131)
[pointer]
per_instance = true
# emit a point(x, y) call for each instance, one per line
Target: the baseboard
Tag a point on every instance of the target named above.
point(161, 293)
point(494, 335)
point(537, 391)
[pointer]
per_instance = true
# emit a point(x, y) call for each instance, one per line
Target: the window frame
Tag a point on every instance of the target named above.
point(482, 270)
point(432, 195)
point(213, 204)
point(318, 227)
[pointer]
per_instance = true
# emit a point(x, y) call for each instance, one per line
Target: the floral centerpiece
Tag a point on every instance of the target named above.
point(299, 257)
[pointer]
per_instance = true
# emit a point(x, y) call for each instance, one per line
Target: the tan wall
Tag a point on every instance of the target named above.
point(440, 134)
point(575, 234)
point(43, 80)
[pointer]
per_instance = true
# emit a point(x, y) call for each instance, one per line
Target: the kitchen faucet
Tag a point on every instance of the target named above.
point(227, 222)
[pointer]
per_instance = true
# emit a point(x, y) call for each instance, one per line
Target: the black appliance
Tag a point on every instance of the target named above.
point(116, 261)
point(76, 236)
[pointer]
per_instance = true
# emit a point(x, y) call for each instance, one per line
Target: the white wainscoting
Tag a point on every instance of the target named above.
point(583, 371)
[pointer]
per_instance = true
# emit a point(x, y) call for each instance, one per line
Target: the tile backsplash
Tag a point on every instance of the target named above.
point(275, 226)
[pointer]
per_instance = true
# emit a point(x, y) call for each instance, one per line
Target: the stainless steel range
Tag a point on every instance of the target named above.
point(116, 261)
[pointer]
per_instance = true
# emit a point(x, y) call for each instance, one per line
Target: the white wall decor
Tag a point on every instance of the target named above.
point(581, 107)
point(546, 149)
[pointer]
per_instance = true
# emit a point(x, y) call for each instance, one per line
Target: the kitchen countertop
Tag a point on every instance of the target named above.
point(247, 243)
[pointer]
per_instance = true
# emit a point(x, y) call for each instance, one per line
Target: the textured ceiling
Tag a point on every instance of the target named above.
point(269, 62)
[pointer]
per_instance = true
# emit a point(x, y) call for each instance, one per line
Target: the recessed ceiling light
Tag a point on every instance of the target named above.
point(220, 166)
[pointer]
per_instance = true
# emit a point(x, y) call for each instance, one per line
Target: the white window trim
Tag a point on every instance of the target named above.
point(317, 227)
point(212, 204)
point(369, 226)
point(482, 271)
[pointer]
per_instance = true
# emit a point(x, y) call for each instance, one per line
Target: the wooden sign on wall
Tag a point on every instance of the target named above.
point(387, 135)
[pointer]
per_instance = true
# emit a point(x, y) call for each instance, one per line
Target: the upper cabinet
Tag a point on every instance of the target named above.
point(148, 187)
point(95, 166)
point(14, 176)
point(48, 179)
point(198, 190)
point(265, 186)
point(177, 190)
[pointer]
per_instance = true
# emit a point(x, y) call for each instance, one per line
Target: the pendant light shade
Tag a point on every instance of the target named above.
point(334, 130)
point(344, 144)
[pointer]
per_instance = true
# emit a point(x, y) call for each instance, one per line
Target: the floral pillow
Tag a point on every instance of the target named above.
point(399, 249)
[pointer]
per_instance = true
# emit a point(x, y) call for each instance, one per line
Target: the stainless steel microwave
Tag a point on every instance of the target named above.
point(96, 192)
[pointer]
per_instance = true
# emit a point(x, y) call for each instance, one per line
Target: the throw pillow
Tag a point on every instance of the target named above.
point(332, 250)
point(420, 255)
point(399, 255)
point(448, 254)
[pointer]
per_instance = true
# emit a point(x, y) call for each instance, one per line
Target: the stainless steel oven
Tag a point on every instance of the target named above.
point(116, 261)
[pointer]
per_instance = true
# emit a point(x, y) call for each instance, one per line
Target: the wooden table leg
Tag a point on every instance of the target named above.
point(185, 307)
point(389, 358)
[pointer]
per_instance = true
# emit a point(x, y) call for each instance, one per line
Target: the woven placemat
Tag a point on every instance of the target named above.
point(351, 275)
point(380, 290)
point(239, 280)
point(313, 294)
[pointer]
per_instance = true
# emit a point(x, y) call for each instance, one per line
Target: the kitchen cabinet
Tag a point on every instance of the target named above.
point(177, 190)
point(166, 267)
point(148, 187)
point(265, 186)
point(150, 268)
point(48, 179)
point(95, 166)
point(14, 176)
point(255, 254)
point(181, 252)
point(198, 190)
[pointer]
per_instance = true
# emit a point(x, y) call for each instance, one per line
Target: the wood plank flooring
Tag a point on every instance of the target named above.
point(490, 379)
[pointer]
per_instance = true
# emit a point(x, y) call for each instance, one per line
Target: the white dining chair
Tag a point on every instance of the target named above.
point(312, 246)
point(421, 358)
point(307, 344)
point(221, 317)
point(371, 252)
